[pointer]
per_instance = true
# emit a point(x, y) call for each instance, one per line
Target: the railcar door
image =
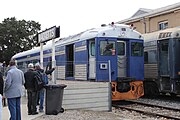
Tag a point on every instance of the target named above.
point(70, 60)
point(122, 59)
point(163, 46)
point(92, 60)
point(106, 52)
point(136, 60)
point(163, 57)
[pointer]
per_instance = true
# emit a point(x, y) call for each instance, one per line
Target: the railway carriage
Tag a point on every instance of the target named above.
point(162, 62)
point(110, 53)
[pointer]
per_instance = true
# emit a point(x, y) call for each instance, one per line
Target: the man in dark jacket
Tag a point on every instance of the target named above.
point(31, 89)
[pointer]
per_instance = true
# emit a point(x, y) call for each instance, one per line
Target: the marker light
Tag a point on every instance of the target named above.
point(131, 26)
point(178, 73)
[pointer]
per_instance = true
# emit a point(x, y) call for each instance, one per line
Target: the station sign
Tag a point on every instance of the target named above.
point(49, 34)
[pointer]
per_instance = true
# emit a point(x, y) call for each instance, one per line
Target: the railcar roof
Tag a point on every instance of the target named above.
point(175, 32)
point(105, 31)
point(115, 30)
point(32, 51)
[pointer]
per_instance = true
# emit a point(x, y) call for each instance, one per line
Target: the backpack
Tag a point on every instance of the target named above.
point(43, 76)
point(39, 83)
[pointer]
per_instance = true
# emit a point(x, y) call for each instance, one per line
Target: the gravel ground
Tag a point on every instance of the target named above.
point(116, 114)
point(82, 115)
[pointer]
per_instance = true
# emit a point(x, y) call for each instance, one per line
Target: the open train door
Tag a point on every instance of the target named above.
point(69, 61)
point(92, 60)
point(122, 59)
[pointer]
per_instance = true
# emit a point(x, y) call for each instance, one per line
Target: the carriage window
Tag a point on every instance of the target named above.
point(136, 49)
point(150, 57)
point(164, 47)
point(145, 57)
point(121, 48)
point(92, 49)
point(107, 48)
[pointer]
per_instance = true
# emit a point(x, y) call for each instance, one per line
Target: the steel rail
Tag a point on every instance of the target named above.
point(153, 105)
point(147, 112)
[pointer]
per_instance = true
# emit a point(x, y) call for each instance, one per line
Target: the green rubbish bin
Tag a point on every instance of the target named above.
point(54, 97)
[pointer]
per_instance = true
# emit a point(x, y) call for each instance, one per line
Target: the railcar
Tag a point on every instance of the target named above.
point(162, 62)
point(111, 53)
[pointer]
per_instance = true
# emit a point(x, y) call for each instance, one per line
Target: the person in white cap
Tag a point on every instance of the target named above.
point(31, 89)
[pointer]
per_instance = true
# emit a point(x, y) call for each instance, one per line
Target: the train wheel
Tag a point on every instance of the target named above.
point(173, 95)
point(151, 89)
point(61, 110)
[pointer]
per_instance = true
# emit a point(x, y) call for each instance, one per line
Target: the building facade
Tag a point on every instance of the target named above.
point(146, 20)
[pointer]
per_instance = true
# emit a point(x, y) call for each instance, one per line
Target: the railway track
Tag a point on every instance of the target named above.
point(149, 109)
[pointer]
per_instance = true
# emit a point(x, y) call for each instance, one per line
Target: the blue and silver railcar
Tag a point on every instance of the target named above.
point(110, 53)
point(162, 62)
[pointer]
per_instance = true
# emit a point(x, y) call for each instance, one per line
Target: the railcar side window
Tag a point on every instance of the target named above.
point(107, 48)
point(164, 47)
point(136, 49)
point(92, 49)
point(145, 57)
point(150, 57)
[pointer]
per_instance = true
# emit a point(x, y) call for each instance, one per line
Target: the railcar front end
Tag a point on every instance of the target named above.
point(126, 63)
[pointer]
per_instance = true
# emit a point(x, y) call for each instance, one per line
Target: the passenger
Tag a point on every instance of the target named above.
point(14, 90)
point(1, 93)
point(41, 92)
point(108, 50)
point(31, 89)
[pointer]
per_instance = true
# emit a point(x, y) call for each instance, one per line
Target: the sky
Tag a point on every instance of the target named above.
point(75, 16)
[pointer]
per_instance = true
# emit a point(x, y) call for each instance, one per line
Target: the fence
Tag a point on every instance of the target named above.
point(82, 92)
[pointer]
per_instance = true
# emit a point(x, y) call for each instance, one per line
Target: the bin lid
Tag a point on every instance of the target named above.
point(55, 86)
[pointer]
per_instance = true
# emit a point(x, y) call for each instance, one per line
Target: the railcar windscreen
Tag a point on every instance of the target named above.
point(136, 49)
point(107, 48)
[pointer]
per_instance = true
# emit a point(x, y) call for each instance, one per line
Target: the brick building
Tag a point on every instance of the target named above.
point(147, 20)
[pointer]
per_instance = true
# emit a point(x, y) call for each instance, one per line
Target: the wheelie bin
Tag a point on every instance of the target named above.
point(54, 97)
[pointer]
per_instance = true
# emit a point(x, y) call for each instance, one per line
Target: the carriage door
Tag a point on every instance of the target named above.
point(70, 60)
point(92, 60)
point(121, 49)
point(164, 64)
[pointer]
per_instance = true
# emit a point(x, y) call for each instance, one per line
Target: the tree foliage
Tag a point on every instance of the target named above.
point(17, 36)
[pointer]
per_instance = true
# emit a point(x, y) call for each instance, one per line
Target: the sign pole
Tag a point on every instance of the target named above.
point(41, 55)
point(53, 60)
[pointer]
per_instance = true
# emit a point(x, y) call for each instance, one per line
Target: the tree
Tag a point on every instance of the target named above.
point(17, 36)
